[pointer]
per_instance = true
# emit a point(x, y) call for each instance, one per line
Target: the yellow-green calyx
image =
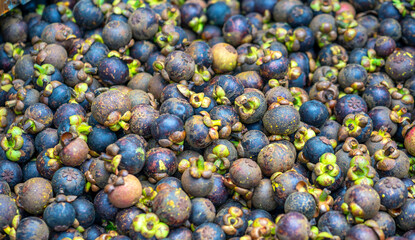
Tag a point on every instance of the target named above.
point(397, 114)
point(11, 230)
point(116, 121)
point(213, 125)
point(3, 117)
point(12, 143)
point(402, 94)
point(201, 75)
point(262, 228)
point(252, 55)
point(43, 74)
point(386, 158)
point(232, 221)
point(354, 213)
point(198, 23)
point(247, 106)
point(13, 50)
point(80, 93)
point(269, 55)
point(299, 95)
point(167, 39)
point(171, 16)
point(33, 126)
point(219, 158)
point(79, 126)
point(199, 100)
point(353, 126)
point(339, 58)
point(149, 225)
point(322, 197)
point(326, 170)
point(326, 34)
point(146, 200)
point(371, 62)
point(201, 169)
point(219, 95)
point(412, 166)
point(316, 234)
point(325, 6)
point(301, 137)
point(360, 171)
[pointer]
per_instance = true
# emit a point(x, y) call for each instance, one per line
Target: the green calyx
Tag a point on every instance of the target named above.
point(65, 11)
point(33, 126)
point(293, 40)
point(294, 71)
point(53, 156)
point(116, 121)
point(386, 158)
point(153, 3)
point(353, 126)
point(401, 93)
point(198, 23)
point(412, 166)
point(149, 225)
point(134, 67)
point(232, 221)
point(13, 50)
point(170, 16)
point(79, 93)
point(326, 34)
point(12, 143)
point(345, 21)
point(79, 127)
point(247, 106)
point(11, 230)
point(219, 95)
point(397, 114)
point(400, 7)
point(39, 9)
point(326, 170)
point(199, 168)
point(199, 100)
point(299, 97)
point(339, 58)
point(146, 200)
point(269, 55)
point(167, 39)
point(322, 197)
point(371, 62)
point(183, 165)
point(219, 158)
point(207, 120)
point(316, 234)
point(43, 74)
point(262, 228)
point(201, 75)
point(302, 136)
point(360, 171)
point(135, 4)
point(274, 83)
point(3, 117)
point(354, 213)
point(325, 6)
point(252, 55)
point(213, 125)
point(355, 88)
point(5, 81)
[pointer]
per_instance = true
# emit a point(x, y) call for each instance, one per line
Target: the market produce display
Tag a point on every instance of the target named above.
point(207, 120)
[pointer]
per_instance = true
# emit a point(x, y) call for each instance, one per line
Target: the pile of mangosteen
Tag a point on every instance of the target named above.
point(207, 120)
